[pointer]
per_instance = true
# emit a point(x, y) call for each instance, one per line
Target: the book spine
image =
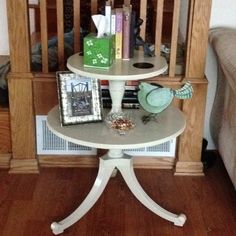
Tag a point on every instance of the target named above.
point(131, 105)
point(132, 34)
point(132, 87)
point(104, 83)
point(129, 100)
point(134, 83)
point(119, 33)
point(130, 92)
point(126, 31)
point(124, 105)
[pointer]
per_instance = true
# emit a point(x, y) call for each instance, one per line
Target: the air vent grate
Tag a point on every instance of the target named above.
point(49, 143)
point(166, 149)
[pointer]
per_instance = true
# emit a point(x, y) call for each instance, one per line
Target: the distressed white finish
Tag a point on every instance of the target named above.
point(170, 124)
point(117, 89)
point(124, 164)
point(119, 72)
point(120, 69)
point(223, 14)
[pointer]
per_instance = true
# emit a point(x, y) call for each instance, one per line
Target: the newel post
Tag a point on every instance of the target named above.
point(190, 142)
point(21, 90)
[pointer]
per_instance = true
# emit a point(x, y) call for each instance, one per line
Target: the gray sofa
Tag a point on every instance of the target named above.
point(223, 116)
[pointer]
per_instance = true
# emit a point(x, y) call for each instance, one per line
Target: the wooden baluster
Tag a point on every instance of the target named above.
point(189, 32)
point(174, 38)
point(112, 3)
point(77, 23)
point(143, 16)
point(127, 2)
point(94, 9)
point(60, 34)
point(159, 20)
point(44, 35)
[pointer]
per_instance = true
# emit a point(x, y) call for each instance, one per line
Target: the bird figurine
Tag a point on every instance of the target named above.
point(155, 98)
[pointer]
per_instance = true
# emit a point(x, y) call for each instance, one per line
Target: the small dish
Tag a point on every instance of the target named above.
point(120, 122)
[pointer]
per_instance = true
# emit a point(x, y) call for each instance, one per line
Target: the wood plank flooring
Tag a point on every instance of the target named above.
point(29, 203)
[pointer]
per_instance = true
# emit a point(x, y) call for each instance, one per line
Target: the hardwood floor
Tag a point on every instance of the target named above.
point(29, 203)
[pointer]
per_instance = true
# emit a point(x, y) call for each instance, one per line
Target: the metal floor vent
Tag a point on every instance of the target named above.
point(166, 149)
point(49, 143)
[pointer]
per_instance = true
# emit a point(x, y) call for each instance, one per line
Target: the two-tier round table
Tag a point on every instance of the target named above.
point(170, 123)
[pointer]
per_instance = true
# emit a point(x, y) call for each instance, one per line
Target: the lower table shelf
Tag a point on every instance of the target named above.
point(170, 123)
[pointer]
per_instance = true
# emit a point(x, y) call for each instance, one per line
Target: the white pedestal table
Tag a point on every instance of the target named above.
point(170, 123)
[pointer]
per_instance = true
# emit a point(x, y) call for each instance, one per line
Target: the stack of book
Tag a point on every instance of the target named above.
point(130, 98)
point(122, 26)
point(121, 22)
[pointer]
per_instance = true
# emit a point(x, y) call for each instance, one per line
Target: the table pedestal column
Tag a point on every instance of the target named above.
point(124, 163)
point(116, 89)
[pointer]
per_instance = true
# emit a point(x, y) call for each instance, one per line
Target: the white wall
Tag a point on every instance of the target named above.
point(4, 46)
point(223, 14)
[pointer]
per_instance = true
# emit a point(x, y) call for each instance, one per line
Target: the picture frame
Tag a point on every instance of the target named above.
point(79, 98)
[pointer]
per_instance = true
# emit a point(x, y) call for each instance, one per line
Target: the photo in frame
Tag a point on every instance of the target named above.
point(79, 98)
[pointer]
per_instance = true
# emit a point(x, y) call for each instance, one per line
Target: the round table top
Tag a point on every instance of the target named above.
point(120, 69)
point(170, 123)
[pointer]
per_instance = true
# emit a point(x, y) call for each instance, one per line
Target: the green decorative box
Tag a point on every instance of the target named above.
point(98, 52)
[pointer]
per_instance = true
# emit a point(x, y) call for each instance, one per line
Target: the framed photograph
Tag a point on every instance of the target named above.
point(79, 98)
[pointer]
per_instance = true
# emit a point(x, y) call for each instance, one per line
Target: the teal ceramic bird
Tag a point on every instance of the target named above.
point(154, 98)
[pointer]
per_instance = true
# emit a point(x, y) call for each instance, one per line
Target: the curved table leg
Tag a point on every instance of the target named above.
point(133, 184)
point(100, 183)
